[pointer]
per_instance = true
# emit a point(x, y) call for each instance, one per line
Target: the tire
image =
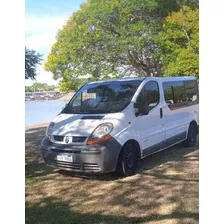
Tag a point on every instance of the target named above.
point(191, 136)
point(128, 160)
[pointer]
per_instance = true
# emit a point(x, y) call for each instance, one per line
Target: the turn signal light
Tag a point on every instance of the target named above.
point(98, 140)
point(48, 139)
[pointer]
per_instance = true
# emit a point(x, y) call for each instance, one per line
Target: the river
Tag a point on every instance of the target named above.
point(41, 111)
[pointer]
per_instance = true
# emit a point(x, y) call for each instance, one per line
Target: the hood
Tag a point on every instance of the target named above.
point(77, 124)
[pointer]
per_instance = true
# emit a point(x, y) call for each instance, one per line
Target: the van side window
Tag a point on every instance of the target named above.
point(175, 95)
point(149, 94)
point(191, 92)
point(152, 94)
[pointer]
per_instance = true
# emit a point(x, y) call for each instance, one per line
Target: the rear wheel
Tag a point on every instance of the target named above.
point(191, 136)
point(127, 162)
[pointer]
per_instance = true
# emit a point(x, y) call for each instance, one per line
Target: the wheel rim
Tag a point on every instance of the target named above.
point(192, 135)
point(130, 160)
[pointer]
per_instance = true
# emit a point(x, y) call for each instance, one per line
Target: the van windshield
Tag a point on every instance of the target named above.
point(107, 97)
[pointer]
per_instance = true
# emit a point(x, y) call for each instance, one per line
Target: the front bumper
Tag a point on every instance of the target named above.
point(99, 158)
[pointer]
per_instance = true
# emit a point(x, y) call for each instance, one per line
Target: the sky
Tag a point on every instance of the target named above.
point(43, 18)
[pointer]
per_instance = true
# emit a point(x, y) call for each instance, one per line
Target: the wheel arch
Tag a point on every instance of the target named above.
point(137, 146)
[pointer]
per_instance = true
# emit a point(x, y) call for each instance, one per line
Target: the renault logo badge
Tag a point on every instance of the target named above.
point(68, 139)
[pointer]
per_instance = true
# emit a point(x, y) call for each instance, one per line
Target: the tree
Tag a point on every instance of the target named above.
point(110, 37)
point(37, 87)
point(72, 85)
point(29, 89)
point(179, 43)
point(32, 59)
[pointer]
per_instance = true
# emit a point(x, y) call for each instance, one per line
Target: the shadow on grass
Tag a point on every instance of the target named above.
point(35, 166)
point(143, 195)
point(91, 176)
point(168, 177)
point(175, 153)
point(50, 211)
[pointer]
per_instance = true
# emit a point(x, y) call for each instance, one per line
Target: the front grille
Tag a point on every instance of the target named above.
point(91, 166)
point(60, 138)
point(78, 139)
point(64, 150)
point(78, 166)
point(73, 166)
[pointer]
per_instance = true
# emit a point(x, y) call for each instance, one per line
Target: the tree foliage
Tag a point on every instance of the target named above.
point(179, 43)
point(118, 37)
point(110, 37)
point(32, 59)
point(37, 86)
point(73, 85)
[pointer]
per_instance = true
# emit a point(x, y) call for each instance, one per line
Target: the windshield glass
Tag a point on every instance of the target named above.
point(95, 98)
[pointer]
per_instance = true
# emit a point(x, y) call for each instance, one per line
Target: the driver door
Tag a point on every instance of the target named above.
point(149, 128)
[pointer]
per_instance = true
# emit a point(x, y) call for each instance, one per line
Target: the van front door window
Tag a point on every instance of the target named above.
point(149, 95)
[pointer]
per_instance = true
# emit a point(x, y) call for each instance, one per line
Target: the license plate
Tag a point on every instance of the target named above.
point(65, 158)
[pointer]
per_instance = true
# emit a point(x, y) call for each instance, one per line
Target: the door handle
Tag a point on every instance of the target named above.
point(161, 112)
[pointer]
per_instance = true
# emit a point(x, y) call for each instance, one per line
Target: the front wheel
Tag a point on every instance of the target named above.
point(127, 162)
point(191, 136)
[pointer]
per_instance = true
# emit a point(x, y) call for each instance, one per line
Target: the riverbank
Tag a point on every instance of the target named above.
point(67, 96)
point(38, 125)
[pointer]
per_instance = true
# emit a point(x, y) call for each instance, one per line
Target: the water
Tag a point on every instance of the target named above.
point(41, 111)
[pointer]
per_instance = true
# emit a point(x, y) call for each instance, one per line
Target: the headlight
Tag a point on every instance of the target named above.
point(49, 129)
point(100, 134)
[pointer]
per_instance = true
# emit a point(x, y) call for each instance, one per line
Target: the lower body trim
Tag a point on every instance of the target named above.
point(165, 144)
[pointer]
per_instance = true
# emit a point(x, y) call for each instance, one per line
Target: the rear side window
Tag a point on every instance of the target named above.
point(175, 94)
point(191, 92)
point(150, 94)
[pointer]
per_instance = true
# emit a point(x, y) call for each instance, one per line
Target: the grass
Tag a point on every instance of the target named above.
point(30, 180)
point(164, 190)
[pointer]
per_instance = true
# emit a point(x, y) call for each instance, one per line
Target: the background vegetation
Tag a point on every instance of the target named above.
point(37, 86)
point(32, 59)
point(117, 38)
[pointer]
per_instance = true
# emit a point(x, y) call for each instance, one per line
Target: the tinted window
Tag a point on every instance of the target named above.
point(168, 93)
point(175, 95)
point(149, 94)
point(152, 94)
point(191, 92)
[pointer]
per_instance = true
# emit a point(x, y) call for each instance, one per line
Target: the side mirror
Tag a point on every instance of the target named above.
point(169, 103)
point(142, 109)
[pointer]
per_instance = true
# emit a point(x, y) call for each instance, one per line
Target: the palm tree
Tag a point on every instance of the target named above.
point(32, 59)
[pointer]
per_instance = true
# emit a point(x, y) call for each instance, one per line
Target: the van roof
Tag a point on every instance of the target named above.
point(174, 78)
point(120, 80)
point(177, 78)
